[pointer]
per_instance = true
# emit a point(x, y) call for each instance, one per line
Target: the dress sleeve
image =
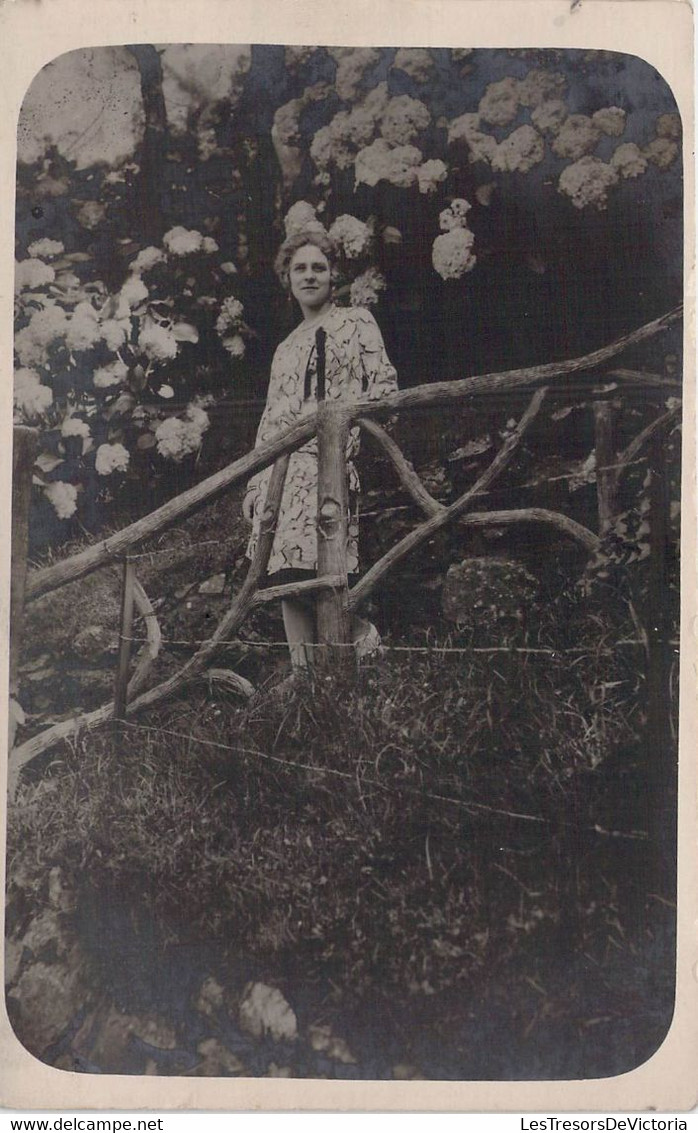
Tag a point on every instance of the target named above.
point(378, 373)
point(271, 421)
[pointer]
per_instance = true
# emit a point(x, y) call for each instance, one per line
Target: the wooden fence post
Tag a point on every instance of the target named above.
point(24, 444)
point(332, 506)
point(127, 602)
point(606, 476)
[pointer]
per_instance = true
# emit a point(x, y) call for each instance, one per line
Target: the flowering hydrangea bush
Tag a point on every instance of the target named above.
point(430, 174)
point(378, 140)
point(365, 291)
point(111, 458)
point(519, 152)
point(63, 497)
point(499, 105)
point(416, 62)
point(177, 437)
point(587, 181)
point(352, 236)
point(404, 119)
point(382, 162)
point(95, 368)
point(577, 136)
point(455, 216)
point(31, 398)
point(629, 160)
point(451, 253)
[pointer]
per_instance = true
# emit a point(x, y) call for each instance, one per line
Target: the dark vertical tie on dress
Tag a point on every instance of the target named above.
point(320, 342)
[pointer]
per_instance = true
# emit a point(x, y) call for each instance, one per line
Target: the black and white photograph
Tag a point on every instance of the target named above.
point(345, 585)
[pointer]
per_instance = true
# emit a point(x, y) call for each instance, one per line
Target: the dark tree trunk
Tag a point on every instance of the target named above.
point(150, 220)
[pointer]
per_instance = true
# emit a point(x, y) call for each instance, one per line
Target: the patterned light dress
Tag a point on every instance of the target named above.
point(357, 366)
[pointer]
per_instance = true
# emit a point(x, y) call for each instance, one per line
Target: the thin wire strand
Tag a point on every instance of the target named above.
point(635, 835)
point(435, 649)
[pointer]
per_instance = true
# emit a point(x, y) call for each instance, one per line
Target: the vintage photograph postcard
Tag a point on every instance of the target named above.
point(351, 578)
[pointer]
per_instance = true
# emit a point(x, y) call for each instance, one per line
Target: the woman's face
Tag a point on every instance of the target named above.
point(310, 277)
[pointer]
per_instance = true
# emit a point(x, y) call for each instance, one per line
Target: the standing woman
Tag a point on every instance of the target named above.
point(356, 366)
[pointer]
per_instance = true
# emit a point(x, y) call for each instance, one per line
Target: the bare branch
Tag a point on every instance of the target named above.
point(425, 531)
point(192, 670)
point(628, 455)
point(50, 578)
point(149, 652)
point(406, 473)
point(230, 680)
point(442, 393)
point(297, 589)
point(642, 378)
point(588, 539)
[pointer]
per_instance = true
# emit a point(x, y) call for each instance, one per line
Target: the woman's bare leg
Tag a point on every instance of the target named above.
point(299, 625)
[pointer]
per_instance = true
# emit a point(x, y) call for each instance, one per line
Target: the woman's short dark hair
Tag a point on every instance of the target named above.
point(318, 238)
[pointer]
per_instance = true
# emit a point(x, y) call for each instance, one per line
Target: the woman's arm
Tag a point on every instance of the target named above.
point(269, 424)
point(379, 374)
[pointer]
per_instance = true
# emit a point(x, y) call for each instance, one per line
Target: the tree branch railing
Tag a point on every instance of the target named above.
point(45, 579)
point(332, 580)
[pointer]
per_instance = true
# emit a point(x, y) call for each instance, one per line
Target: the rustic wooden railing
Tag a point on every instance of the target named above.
point(335, 601)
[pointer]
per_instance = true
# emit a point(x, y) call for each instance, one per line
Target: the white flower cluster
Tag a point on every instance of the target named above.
point(499, 104)
point(46, 249)
point(352, 236)
point(628, 160)
point(482, 145)
point(352, 64)
point(83, 329)
point(349, 130)
point(662, 152)
point(178, 437)
point(587, 181)
point(519, 152)
point(110, 375)
point(230, 317)
point(229, 324)
point(32, 274)
point(366, 289)
point(539, 87)
point(157, 341)
point(610, 120)
point(76, 427)
point(455, 216)
point(46, 326)
point(549, 116)
point(30, 397)
point(63, 497)
point(302, 217)
point(430, 174)
point(235, 345)
point(285, 128)
point(666, 126)
point(577, 136)
point(146, 260)
point(297, 57)
point(132, 293)
point(181, 241)
point(452, 255)
point(404, 118)
point(416, 62)
point(381, 162)
point(115, 332)
point(111, 458)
